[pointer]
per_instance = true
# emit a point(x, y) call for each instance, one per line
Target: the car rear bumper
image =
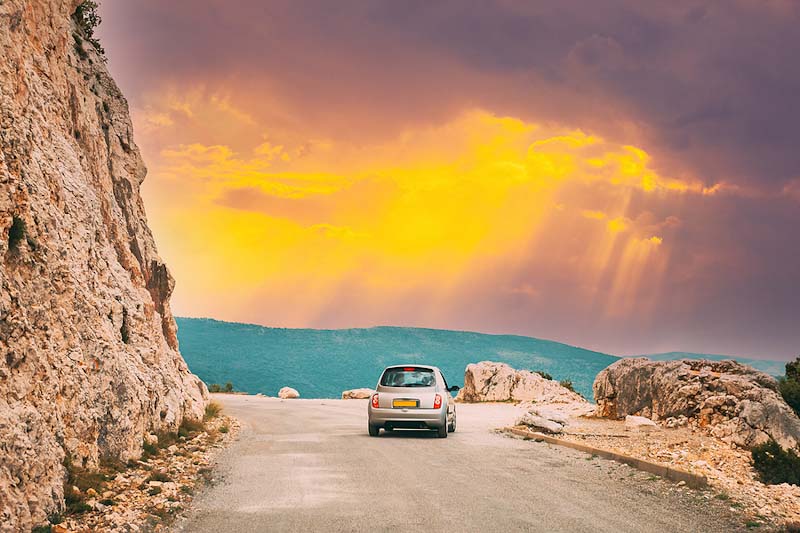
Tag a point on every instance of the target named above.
point(408, 418)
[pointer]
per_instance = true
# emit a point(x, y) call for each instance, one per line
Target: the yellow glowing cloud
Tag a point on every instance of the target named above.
point(428, 211)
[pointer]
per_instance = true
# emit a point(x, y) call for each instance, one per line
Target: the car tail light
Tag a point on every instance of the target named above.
point(437, 401)
point(375, 400)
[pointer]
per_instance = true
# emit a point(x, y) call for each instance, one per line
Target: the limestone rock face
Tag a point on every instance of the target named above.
point(89, 361)
point(288, 393)
point(357, 394)
point(497, 382)
point(734, 402)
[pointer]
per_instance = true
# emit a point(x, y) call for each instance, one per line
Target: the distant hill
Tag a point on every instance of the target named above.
point(773, 368)
point(321, 363)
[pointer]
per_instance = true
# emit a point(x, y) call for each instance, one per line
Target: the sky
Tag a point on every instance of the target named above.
point(619, 175)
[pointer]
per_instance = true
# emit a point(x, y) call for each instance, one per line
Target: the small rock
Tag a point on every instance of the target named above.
point(154, 483)
point(108, 494)
point(287, 393)
point(535, 421)
point(91, 493)
point(172, 449)
point(151, 439)
point(642, 423)
point(357, 394)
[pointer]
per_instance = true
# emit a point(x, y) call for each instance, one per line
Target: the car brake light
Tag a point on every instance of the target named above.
point(409, 369)
point(437, 401)
point(375, 400)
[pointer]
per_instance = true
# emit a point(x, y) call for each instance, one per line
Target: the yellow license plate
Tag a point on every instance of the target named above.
point(404, 403)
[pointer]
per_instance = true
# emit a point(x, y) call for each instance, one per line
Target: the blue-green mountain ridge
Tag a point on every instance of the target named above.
point(321, 363)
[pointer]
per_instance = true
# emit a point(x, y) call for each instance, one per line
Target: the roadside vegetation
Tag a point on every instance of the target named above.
point(216, 387)
point(776, 465)
point(789, 385)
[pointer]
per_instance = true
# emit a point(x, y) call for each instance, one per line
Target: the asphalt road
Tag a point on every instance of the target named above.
point(309, 465)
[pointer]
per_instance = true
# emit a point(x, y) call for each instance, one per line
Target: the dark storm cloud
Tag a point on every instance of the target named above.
point(712, 87)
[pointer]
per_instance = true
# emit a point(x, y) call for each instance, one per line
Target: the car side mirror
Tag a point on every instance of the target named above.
point(454, 388)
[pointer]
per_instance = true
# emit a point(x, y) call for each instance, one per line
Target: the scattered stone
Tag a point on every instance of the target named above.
point(641, 423)
point(539, 423)
point(129, 500)
point(357, 394)
point(287, 393)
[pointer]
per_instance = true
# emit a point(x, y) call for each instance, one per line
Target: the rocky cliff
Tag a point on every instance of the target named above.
point(731, 401)
point(89, 358)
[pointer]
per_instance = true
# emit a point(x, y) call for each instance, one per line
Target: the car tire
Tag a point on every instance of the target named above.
point(451, 428)
point(374, 431)
point(442, 432)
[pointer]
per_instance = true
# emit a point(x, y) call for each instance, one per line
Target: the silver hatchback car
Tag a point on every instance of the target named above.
point(412, 397)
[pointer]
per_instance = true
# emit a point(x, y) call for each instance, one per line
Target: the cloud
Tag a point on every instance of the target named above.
point(414, 160)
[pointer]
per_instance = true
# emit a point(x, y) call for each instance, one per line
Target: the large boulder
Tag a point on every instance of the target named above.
point(733, 401)
point(497, 382)
point(288, 393)
point(357, 394)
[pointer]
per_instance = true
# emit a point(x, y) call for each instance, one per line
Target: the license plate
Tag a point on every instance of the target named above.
point(405, 403)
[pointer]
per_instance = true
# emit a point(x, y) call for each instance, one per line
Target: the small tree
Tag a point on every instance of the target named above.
point(228, 387)
point(793, 369)
point(790, 385)
point(87, 19)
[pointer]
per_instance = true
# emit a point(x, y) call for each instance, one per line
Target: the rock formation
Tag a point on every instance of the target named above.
point(497, 382)
point(288, 393)
point(357, 394)
point(733, 401)
point(89, 356)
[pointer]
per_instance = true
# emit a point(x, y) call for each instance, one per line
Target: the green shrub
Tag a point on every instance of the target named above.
point(88, 19)
point(776, 465)
point(790, 390)
point(16, 233)
point(154, 491)
point(108, 501)
point(793, 370)
point(214, 387)
point(544, 374)
point(223, 429)
point(228, 387)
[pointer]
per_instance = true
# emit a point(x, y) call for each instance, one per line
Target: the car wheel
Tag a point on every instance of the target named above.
point(374, 430)
point(452, 427)
point(442, 432)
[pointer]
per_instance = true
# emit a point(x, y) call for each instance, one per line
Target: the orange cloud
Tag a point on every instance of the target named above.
point(429, 208)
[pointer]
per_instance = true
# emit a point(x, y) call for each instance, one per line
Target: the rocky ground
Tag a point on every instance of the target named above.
point(727, 466)
point(152, 493)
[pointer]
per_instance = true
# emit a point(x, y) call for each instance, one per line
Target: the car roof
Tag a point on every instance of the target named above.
point(429, 367)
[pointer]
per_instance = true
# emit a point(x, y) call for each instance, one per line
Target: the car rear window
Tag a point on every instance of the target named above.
point(408, 377)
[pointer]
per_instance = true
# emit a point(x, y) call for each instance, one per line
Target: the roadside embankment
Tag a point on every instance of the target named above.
point(149, 494)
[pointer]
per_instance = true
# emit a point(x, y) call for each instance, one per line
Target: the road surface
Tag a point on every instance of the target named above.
point(309, 465)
